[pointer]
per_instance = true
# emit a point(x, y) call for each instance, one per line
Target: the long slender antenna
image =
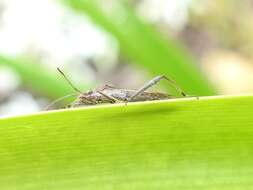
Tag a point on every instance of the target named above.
point(70, 83)
point(58, 100)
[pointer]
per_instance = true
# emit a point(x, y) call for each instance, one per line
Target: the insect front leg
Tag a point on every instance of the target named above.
point(152, 83)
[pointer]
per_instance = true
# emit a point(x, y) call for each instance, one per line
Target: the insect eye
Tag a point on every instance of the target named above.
point(89, 92)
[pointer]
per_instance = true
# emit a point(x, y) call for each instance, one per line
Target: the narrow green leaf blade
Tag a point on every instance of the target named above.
point(175, 144)
point(37, 78)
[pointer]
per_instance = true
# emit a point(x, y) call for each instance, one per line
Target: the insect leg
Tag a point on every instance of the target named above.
point(58, 100)
point(155, 81)
point(106, 86)
point(110, 98)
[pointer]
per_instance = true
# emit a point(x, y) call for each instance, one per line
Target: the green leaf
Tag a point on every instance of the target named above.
point(144, 45)
point(174, 144)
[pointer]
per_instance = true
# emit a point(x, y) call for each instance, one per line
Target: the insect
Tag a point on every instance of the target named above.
point(110, 94)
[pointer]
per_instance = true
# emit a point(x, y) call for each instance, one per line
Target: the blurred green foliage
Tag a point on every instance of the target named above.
point(137, 39)
point(144, 45)
point(38, 79)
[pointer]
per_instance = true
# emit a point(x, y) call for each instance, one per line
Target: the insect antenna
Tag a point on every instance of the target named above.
point(70, 83)
point(58, 100)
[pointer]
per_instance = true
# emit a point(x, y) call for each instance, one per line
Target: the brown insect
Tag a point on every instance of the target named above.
point(110, 94)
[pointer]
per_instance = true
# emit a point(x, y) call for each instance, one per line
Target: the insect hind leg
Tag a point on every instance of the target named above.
point(153, 82)
point(174, 84)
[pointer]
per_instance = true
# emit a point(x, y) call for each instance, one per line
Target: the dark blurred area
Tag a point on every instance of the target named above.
point(217, 32)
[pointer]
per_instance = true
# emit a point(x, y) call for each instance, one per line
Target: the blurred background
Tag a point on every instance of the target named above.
point(205, 46)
